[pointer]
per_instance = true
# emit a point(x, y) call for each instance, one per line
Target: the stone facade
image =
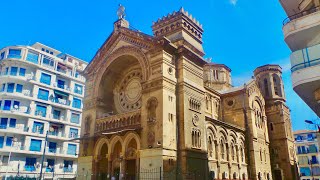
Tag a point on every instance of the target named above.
point(154, 102)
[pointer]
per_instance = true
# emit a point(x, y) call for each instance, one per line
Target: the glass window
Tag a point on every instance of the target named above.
point(10, 87)
point(7, 105)
point(14, 71)
point(7, 71)
point(5, 160)
point(43, 94)
point(72, 149)
point(16, 104)
point(67, 166)
point(76, 103)
point(45, 78)
point(30, 164)
point(0, 103)
point(56, 114)
point(35, 145)
point(310, 137)
point(78, 89)
point(52, 147)
point(14, 53)
point(32, 57)
point(50, 167)
point(75, 118)
point(22, 72)
point(305, 171)
point(73, 133)
point(3, 123)
point(60, 84)
point(41, 110)
point(12, 122)
point(48, 62)
point(9, 141)
point(37, 127)
point(2, 55)
point(3, 87)
point(19, 88)
point(1, 141)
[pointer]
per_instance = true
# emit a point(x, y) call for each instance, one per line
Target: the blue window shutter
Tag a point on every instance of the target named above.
point(9, 141)
point(14, 71)
point(12, 123)
point(10, 87)
point(35, 145)
point(7, 71)
point(76, 103)
point(37, 127)
point(7, 105)
point(78, 89)
point(1, 141)
point(41, 110)
point(45, 78)
point(72, 149)
point(19, 88)
point(73, 133)
point(75, 118)
point(43, 94)
point(22, 72)
point(3, 123)
point(14, 53)
point(32, 57)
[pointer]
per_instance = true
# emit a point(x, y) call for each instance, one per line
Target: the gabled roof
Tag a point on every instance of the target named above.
point(133, 37)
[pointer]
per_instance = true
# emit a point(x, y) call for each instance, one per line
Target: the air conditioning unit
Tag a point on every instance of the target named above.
point(45, 164)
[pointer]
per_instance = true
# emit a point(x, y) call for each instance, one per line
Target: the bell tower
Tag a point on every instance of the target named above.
point(282, 154)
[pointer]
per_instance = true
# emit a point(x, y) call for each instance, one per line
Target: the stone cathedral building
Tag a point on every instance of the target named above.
point(154, 102)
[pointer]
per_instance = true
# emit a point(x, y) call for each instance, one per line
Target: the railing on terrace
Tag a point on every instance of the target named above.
point(35, 58)
point(119, 121)
point(300, 14)
point(305, 58)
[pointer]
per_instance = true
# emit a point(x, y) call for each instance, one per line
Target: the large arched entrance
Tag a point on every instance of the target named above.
point(102, 164)
point(131, 159)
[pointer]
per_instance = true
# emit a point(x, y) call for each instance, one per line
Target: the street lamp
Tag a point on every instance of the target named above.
point(44, 150)
point(12, 143)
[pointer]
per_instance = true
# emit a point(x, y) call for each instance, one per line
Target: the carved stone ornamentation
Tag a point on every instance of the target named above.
point(152, 109)
point(151, 138)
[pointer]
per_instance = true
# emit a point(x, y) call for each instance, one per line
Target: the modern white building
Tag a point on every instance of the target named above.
point(302, 34)
point(41, 91)
point(307, 147)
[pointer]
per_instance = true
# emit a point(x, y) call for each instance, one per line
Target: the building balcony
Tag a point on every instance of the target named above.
point(302, 29)
point(305, 68)
point(35, 57)
point(130, 120)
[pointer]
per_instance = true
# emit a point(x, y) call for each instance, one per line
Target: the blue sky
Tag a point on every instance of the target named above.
point(238, 33)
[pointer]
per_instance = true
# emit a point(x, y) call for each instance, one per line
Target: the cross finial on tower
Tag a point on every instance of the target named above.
point(121, 12)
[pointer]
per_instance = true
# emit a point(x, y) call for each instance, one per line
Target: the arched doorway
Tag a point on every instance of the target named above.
point(117, 160)
point(131, 159)
point(102, 164)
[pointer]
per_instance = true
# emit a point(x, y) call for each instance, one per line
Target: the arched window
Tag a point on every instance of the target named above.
point(210, 147)
point(222, 149)
point(277, 85)
point(266, 87)
point(271, 126)
point(242, 154)
point(232, 152)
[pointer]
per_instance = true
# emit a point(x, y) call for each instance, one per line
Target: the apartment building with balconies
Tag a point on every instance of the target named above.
point(41, 91)
point(307, 148)
point(302, 34)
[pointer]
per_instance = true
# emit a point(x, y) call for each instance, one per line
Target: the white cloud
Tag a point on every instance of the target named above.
point(233, 2)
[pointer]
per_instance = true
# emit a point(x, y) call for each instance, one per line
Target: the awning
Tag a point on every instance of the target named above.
point(61, 93)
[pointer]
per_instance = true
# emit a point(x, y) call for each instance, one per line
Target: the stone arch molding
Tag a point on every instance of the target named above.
point(122, 51)
point(124, 141)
